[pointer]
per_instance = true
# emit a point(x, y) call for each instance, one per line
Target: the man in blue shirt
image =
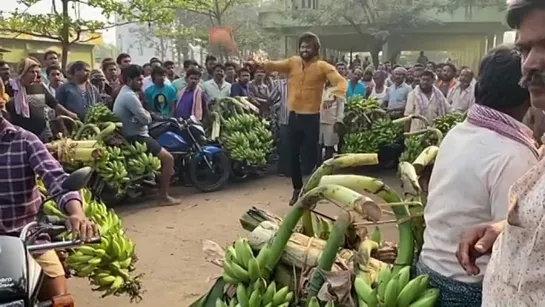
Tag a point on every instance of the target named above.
point(240, 87)
point(160, 97)
point(398, 93)
point(355, 86)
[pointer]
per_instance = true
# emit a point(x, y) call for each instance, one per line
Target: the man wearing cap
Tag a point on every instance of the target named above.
point(398, 93)
point(307, 78)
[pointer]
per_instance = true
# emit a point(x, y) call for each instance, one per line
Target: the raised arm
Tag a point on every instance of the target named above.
point(283, 66)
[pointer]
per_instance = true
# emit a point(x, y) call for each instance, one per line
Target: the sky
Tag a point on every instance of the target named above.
point(45, 6)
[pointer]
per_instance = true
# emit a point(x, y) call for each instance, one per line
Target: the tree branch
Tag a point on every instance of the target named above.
point(22, 32)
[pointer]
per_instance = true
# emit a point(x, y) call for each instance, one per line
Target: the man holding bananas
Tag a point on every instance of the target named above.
point(514, 276)
point(308, 76)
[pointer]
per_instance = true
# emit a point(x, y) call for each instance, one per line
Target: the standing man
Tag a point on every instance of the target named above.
point(308, 76)
point(240, 87)
point(171, 75)
point(514, 276)
point(210, 62)
point(217, 88)
point(341, 68)
point(398, 93)
point(51, 57)
point(78, 94)
point(462, 96)
point(5, 72)
point(279, 98)
point(154, 62)
point(109, 68)
point(422, 59)
point(426, 100)
point(231, 72)
point(192, 100)
point(160, 97)
point(123, 60)
point(331, 120)
point(135, 119)
point(258, 91)
point(355, 86)
point(54, 78)
point(180, 82)
point(448, 81)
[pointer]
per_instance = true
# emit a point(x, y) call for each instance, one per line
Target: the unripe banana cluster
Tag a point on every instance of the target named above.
point(250, 275)
point(247, 138)
point(395, 290)
point(119, 166)
point(109, 264)
point(314, 302)
point(448, 121)
point(100, 113)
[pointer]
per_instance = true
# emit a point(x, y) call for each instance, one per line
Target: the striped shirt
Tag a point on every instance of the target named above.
point(23, 157)
point(279, 94)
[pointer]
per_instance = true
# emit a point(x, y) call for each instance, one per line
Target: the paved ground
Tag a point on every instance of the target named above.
point(169, 239)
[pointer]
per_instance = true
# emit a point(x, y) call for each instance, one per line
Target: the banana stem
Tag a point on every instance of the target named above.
point(374, 186)
point(383, 222)
point(334, 242)
point(411, 117)
point(409, 179)
point(327, 168)
point(333, 193)
point(425, 158)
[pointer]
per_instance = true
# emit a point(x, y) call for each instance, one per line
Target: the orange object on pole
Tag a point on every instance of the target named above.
point(222, 36)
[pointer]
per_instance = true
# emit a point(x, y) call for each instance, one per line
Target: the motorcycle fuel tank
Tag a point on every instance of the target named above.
point(172, 142)
point(13, 269)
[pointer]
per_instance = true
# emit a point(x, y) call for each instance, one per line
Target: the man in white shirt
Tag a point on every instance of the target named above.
point(462, 96)
point(217, 88)
point(478, 161)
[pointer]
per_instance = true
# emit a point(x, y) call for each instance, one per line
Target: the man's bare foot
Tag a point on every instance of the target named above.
point(169, 201)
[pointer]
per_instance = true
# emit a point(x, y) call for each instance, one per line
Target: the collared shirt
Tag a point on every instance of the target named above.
point(239, 90)
point(515, 276)
point(397, 95)
point(430, 107)
point(306, 82)
point(355, 90)
point(279, 94)
point(463, 195)
point(22, 157)
point(215, 91)
point(461, 99)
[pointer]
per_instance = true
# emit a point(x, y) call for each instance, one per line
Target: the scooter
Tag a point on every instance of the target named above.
point(207, 167)
point(21, 276)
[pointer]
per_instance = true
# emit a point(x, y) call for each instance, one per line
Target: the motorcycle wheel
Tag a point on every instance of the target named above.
point(198, 168)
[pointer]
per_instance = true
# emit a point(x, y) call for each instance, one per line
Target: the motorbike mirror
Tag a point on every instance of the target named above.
point(78, 179)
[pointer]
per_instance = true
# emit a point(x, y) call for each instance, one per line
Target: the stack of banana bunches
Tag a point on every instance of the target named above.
point(298, 260)
point(109, 266)
point(117, 162)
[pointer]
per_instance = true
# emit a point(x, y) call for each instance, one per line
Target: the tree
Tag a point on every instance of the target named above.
point(62, 24)
point(376, 20)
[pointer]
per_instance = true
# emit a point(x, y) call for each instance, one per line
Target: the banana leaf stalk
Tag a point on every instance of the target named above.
point(327, 168)
point(405, 119)
point(334, 193)
point(413, 193)
point(374, 186)
point(436, 131)
point(426, 158)
point(335, 241)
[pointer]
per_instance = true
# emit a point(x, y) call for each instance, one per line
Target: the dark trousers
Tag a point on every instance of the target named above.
point(284, 150)
point(304, 135)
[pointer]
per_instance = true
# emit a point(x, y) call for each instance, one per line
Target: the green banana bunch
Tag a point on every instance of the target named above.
point(100, 113)
point(360, 142)
point(241, 266)
point(448, 121)
point(247, 138)
point(395, 290)
point(110, 263)
point(114, 173)
point(414, 145)
point(258, 294)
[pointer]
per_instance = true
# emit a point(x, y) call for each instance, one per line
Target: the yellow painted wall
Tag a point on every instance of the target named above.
point(21, 48)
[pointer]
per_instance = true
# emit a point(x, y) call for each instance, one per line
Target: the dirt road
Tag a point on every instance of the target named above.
point(169, 239)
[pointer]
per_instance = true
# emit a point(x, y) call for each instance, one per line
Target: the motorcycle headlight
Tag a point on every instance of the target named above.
point(20, 303)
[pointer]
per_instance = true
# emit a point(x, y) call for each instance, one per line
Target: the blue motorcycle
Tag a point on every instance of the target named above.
point(207, 167)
